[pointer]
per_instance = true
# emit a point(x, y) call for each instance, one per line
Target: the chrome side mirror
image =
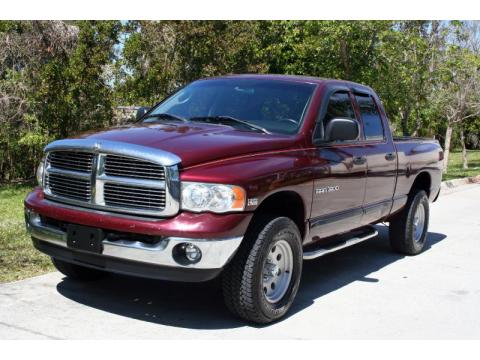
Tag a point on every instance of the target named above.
point(342, 130)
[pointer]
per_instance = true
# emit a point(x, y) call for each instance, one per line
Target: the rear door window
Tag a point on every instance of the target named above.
point(372, 122)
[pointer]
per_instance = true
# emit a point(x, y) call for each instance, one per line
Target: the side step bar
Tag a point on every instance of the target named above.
point(313, 254)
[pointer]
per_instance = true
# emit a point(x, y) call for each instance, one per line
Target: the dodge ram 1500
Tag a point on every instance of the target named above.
point(242, 177)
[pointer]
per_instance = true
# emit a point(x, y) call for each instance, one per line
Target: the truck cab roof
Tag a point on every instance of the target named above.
point(297, 78)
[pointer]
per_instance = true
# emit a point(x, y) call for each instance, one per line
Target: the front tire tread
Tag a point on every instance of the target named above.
point(240, 278)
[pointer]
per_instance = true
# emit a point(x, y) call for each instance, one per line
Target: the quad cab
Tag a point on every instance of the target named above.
point(240, 177)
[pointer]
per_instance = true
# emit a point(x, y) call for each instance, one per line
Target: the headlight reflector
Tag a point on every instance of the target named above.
point(219, 198)
point(39, 173)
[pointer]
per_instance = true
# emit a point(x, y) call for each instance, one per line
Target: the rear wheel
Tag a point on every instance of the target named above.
point(261, 282)
point(408, 230)
point(77, 272)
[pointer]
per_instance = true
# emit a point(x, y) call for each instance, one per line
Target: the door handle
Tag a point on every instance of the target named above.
point(359, 160)
point(390, 156)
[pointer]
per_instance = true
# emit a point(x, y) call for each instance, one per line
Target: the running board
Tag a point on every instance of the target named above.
point(313, 254)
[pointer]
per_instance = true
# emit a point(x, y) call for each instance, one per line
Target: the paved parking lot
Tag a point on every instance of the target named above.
point(362, 292)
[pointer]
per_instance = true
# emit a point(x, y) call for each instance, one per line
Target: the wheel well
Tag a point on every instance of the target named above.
point(422, 182)
point(285, 203)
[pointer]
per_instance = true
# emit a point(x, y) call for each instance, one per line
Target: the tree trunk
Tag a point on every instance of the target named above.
point(418, 120)
point(404, 121)
point(464, 149)
point(448, 139)
point(345, 58)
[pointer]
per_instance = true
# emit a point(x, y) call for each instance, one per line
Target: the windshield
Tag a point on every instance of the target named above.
point(274, 105)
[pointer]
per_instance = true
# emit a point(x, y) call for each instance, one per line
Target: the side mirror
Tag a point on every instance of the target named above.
point(141, 111)
point(342, 130)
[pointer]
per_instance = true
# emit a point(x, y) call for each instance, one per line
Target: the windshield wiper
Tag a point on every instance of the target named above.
point(166, 116)
point(229, 120)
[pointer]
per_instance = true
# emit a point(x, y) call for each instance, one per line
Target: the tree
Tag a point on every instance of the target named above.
point(160, 56)
point(79, 95)
point(51, 85)
point(60, 77)
point(407, 67)
point(335, 49)
point(25, 46)
point(457, 95)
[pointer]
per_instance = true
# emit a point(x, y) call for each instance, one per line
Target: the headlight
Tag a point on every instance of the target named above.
point(39, 174)
point(218, 198)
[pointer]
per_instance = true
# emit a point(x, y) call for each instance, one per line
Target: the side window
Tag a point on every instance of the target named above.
point(372, 122)
point(339, 106)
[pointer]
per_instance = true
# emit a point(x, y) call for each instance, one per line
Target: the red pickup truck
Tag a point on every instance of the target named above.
point(242, 177)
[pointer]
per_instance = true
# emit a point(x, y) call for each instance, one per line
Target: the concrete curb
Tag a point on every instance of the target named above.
point(450, 184)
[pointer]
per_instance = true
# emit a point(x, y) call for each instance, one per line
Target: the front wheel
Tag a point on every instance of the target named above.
point(261, 282)
point(408, 230)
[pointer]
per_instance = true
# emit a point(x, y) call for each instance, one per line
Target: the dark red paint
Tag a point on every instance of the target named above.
point(206, 225)
point(266, 164)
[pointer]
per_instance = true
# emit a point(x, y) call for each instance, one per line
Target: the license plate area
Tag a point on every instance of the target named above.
point(85, 238)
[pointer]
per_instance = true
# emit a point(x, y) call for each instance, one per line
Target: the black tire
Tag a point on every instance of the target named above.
point(77, 272)
point(243, 290)
point(402, 228)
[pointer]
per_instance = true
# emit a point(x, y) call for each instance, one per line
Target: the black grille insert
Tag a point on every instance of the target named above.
point(71, 160)
point(120, 195)
point(68, 187)
point(133, 168)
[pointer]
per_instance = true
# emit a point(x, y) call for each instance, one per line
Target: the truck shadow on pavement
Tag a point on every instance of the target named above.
point(200, 306)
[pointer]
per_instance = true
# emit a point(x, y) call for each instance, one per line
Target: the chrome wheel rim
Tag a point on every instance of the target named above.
point(277, 271)
point(418, 223)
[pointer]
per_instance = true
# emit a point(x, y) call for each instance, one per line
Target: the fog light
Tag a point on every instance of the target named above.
point(186, 254)
point(193, 253)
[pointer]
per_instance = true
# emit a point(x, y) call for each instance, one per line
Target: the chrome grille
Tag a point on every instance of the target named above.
point(112, 176)
point(71, 160)
point(134, 196)
point(133, 168)
point(68, 187)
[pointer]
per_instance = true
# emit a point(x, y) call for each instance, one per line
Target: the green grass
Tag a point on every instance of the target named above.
point(18, 258)
point(455, 169)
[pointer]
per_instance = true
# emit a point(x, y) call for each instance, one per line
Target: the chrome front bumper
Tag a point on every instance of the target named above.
point(216, 253)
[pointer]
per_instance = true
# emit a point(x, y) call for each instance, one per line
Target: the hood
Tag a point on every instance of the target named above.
point(195, 143)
